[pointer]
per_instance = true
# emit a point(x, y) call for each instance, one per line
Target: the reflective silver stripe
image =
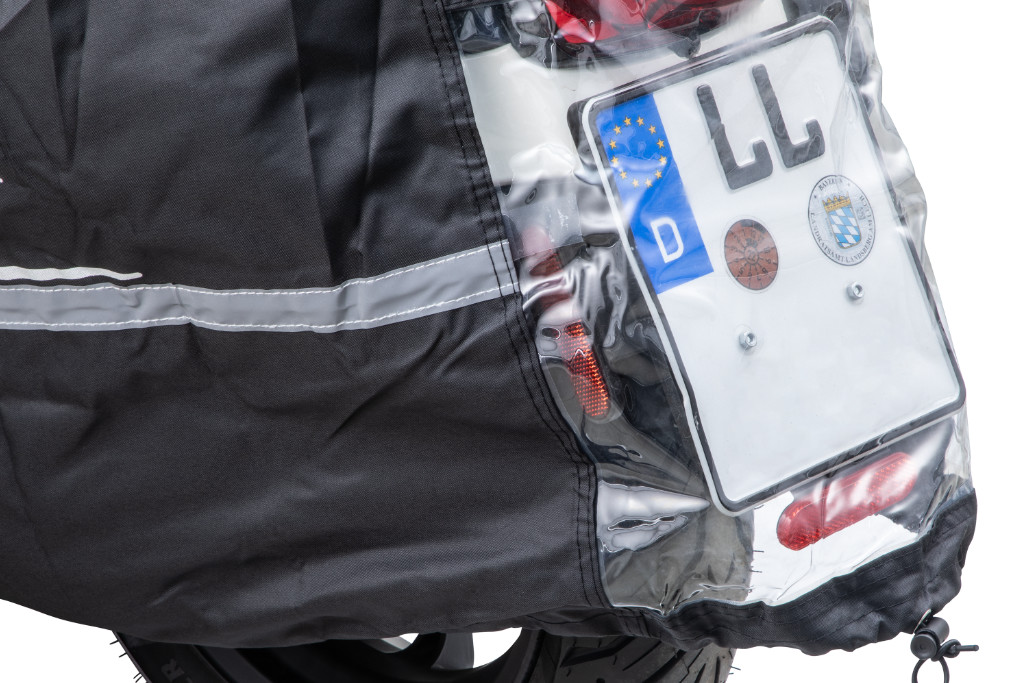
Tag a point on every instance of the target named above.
point(43, 274)
point(443, 284)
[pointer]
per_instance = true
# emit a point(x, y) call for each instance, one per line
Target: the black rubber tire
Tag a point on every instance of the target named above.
point(536, 657)
point(628, 660)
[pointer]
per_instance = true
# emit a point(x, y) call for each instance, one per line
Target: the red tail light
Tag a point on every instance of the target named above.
point(846, 501)
point(590, 21)
point(591, 390)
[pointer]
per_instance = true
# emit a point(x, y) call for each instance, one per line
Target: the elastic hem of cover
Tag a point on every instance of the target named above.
point(849, 611)
point(936, 561)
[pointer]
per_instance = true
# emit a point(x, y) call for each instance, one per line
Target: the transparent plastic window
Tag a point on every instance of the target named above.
point(718, 235)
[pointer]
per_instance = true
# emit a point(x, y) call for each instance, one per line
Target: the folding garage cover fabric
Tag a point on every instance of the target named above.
point(267, 377)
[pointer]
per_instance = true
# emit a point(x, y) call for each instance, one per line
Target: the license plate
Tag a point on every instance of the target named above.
point(763, 225)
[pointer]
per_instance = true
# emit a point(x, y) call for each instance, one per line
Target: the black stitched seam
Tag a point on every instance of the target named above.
point(508, 331)
point(581, 480)
point(585, 533)
point(370, 128)
point(566, 439)
point(301, 87)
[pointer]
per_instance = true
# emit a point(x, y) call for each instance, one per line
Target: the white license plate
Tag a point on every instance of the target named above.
point(764, 229)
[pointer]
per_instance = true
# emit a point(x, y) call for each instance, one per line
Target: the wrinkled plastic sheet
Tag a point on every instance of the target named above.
point(719, 238)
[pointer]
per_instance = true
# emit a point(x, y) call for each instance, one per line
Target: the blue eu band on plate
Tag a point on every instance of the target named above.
point(652, 194)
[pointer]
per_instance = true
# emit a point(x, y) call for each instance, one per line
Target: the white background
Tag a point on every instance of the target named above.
point(952, 73)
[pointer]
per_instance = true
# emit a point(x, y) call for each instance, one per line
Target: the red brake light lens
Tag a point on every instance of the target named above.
point(591, 21)
point(587, 381)
point(846, 501)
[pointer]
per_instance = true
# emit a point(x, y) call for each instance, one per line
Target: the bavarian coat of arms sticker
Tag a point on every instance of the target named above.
point(841, 220)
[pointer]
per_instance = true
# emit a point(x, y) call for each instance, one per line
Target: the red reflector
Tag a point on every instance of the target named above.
point(591, 391)
point(846, 501)
point(547, 263)
point(581, 24)
point(591, 21)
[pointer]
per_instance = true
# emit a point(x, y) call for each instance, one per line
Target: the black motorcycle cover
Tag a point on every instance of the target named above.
point(266, 376)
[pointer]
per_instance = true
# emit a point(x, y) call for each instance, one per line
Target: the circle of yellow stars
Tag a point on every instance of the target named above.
point(647, 181)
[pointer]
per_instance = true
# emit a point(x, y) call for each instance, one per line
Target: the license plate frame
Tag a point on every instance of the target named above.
point(728, 469)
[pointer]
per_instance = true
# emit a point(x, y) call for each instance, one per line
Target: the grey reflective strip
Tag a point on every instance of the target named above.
point(43, 274)
point(443, 284)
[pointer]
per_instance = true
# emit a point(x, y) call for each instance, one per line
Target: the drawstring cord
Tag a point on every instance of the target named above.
point(928, 645)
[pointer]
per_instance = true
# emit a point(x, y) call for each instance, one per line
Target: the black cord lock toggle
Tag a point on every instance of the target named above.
point(931, 642)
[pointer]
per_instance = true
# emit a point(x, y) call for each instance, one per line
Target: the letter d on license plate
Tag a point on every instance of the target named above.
point(761, 222)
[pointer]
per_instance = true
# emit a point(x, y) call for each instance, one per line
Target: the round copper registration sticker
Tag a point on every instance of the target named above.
point(751, 254)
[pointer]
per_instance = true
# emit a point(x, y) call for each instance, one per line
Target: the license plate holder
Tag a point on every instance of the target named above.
point(765, 232)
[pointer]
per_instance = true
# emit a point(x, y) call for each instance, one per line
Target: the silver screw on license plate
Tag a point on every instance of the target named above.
point(855, 291)
point(748, 340)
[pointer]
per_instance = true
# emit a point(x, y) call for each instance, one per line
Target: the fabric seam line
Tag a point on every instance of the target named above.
point(584, 484)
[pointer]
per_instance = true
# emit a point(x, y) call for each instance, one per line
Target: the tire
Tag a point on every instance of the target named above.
point(536, 657)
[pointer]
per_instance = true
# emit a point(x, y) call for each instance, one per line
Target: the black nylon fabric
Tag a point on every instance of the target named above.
point(267, 488)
